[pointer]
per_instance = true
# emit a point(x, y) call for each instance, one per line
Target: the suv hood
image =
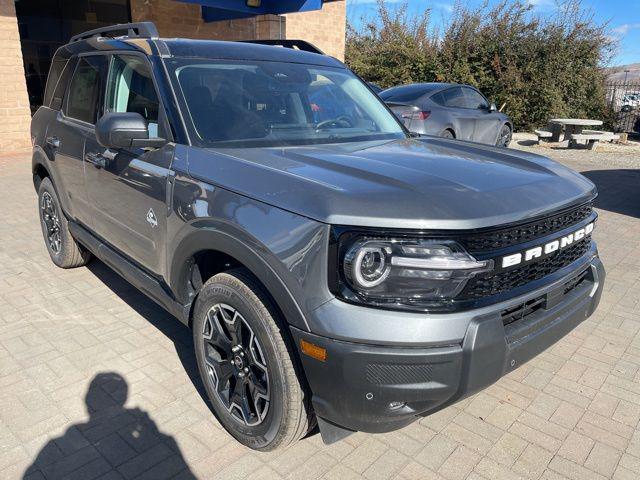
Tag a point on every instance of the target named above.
point(428, 183)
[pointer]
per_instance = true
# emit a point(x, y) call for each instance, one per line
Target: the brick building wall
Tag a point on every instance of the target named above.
point(324, 28)
point(15, 115)
point(177, 19)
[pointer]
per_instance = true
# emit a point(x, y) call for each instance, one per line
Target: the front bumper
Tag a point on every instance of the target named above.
point(375, 388)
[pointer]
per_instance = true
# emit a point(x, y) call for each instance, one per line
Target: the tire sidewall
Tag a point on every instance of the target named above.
point(264, 434)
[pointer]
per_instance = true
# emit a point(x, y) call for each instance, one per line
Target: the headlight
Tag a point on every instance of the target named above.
point(415, 272)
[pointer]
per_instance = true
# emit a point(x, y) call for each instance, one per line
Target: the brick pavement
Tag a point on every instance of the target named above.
point(73, 339)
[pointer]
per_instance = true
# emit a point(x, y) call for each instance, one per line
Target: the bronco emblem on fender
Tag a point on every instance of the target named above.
point(151, 218)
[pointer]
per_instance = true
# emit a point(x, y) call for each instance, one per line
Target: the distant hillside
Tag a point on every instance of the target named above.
point(617, 74)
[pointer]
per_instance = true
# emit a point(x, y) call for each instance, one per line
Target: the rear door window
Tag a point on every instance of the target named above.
point(83, 96)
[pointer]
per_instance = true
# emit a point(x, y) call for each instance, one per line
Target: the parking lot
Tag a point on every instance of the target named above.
point(96, 381)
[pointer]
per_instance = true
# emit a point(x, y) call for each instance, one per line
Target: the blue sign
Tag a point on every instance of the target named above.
point(214, 10)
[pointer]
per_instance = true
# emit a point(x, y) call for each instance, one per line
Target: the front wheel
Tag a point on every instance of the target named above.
point(247, 364)
point(504, 138)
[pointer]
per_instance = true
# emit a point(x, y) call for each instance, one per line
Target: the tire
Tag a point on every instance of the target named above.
point(267, 407)
point(504, 137)
point(447, 134)
point(63, 249)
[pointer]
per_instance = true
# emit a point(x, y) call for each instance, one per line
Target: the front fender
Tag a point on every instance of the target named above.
point(206, 238)
point(285, 251)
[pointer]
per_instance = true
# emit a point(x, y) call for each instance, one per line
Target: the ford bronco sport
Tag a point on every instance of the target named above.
point(332, 266)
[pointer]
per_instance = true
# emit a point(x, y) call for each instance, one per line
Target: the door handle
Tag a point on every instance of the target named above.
point(96, 159)
point(53, 142)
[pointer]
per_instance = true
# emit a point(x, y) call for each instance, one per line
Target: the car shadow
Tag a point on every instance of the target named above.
point(618, 190)
point(116, 442)
point(170, 326)
point(157, 316)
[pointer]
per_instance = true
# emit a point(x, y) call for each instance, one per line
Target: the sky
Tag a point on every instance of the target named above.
point(622, 16)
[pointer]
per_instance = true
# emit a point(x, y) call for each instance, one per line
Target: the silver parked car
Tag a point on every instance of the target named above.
point(449, 110)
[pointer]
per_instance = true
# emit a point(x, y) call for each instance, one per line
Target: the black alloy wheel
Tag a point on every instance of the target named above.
point(248, 363)
point(51, 221)
point(236, 366)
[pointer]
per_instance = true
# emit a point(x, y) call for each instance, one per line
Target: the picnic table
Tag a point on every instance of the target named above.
point(571, 126)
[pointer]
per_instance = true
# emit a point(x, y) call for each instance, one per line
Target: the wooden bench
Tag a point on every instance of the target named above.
point(592, 137)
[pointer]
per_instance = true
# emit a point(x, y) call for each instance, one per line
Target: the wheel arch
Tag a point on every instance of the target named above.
point(39, 168)
point(218, 251)
point(451, 129)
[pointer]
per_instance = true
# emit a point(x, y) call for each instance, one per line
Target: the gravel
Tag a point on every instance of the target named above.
point(606, 155)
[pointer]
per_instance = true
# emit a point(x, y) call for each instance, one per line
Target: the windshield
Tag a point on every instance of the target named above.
point(253, 103)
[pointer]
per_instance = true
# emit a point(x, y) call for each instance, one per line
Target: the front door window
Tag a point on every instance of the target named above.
point(130, 88)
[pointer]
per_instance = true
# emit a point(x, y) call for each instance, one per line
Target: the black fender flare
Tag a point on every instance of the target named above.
point(209, 238)
point(39, 158)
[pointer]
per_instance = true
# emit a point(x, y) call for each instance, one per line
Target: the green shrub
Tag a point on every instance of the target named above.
point(538, 67)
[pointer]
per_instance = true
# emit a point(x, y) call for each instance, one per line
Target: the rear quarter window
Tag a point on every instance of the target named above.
point(57, 81)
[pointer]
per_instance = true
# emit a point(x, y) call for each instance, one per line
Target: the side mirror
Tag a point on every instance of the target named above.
point(125, 130)
point(493, 108)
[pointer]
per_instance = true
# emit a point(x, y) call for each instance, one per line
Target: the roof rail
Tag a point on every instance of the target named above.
point(293, 44)
point(141, 29)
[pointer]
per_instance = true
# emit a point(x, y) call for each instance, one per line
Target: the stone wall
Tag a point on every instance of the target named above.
point(15, 115)
point(324, 28)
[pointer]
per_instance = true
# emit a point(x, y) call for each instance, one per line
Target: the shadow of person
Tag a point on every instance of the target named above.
point(115, 442)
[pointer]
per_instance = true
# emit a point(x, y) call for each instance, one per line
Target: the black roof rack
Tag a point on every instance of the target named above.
point(142, 29)
point(294, 44)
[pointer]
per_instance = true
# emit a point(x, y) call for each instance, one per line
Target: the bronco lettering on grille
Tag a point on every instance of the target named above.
point(547, 248)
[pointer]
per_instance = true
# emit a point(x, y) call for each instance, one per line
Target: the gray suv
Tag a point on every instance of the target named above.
point(332, 267)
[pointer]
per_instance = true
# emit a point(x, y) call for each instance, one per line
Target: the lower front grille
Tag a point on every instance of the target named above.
point(529, 307)
point(491, 283)
point(521, 311)
point(398, 374)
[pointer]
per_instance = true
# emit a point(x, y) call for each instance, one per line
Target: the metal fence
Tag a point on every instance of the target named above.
point(623, 99)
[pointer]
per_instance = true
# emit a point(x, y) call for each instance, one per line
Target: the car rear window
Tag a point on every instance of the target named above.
point(405, 94)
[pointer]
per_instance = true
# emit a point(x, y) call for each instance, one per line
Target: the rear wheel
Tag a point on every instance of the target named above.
point(246, 363)
point(504, 138)
point(447, 134)
point(64, 251)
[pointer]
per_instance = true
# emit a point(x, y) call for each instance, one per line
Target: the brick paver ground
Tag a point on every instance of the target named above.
point(72, 338)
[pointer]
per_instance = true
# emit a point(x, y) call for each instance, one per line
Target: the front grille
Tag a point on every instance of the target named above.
point(508, 236)
point(519, 312)
point(491, 283)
